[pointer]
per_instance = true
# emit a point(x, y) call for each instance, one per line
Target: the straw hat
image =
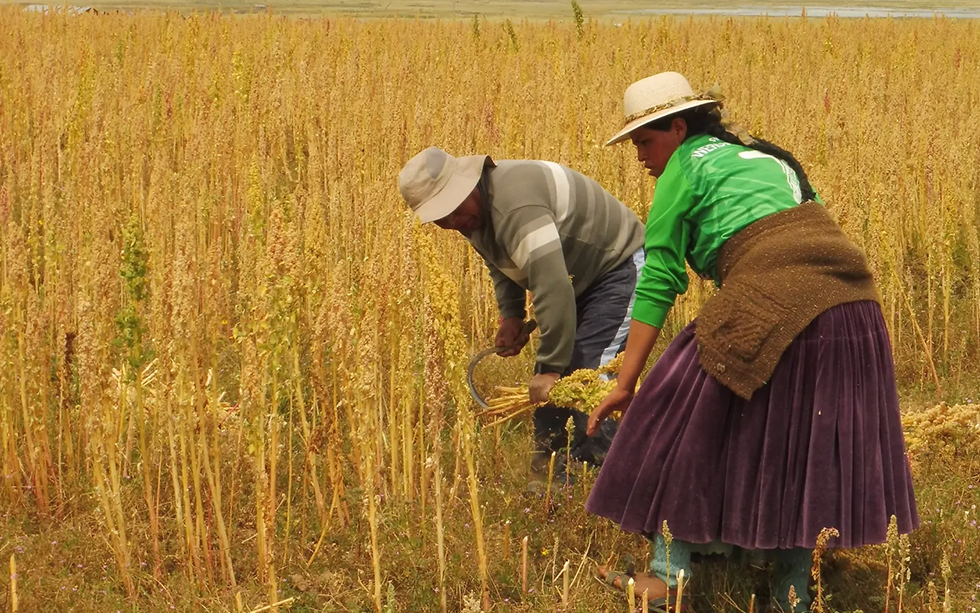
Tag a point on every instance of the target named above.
point(434, 183)
point(657, 97)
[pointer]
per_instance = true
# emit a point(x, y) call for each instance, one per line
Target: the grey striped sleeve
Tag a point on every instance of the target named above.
point(510, 296)
point(530, 237)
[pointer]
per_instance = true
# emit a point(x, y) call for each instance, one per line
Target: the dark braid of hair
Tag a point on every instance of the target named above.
point(701, 121)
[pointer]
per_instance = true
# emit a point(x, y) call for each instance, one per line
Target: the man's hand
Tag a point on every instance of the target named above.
point(510, 336)
point(618, 399)
point(541, 385)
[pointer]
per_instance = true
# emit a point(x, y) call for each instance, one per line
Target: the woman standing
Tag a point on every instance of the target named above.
point(775, 413)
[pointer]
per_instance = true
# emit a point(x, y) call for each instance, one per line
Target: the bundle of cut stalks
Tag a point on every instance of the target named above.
point(584, 389)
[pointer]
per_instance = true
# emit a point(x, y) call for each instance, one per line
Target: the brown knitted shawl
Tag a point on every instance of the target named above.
point(776, 275)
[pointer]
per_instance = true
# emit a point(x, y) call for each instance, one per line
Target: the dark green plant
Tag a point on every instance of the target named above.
point(131, 330)
point(579, 18)
point(512, 34)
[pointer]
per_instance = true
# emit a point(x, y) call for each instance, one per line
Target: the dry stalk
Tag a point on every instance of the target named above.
point(680, 591)
point(821, 545)
point(668, 540)
point(13, 584)
point(274, 605)
point(213, 475)
point(524, 566)
point(440, 532)
point(547, 488)
point(904, 572)
point(564, 584)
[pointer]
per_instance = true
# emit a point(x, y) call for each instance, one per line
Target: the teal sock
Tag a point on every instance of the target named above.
point(680, 558)
point(793, 568)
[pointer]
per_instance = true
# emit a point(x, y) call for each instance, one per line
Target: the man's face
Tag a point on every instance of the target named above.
point(468, 216)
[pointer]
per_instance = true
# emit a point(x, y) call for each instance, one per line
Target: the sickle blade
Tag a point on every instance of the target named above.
point(472, 368)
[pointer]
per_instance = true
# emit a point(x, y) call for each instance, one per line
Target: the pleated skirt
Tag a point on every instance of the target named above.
point(819, 446)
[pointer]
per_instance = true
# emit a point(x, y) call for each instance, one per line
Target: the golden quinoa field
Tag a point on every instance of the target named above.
point(232, 365)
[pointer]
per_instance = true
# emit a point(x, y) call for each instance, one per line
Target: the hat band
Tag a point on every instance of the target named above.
point(667, 105)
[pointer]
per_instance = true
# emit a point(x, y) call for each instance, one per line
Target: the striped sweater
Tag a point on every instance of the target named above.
point(551, 231)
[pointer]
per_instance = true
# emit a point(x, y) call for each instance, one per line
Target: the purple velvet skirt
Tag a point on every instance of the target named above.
point(820, 445)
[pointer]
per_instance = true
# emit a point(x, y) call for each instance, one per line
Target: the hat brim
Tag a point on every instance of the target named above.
point(642, 121)
point(465, 176)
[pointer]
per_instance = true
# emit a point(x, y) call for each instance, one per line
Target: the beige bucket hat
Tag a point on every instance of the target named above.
point(434, 183)
point(657, 97)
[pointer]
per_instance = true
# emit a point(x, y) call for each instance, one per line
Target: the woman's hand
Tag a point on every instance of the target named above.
point(639, 343)
point(617, 400)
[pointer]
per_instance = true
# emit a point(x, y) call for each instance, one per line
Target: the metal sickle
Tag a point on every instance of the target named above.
point(528, 328)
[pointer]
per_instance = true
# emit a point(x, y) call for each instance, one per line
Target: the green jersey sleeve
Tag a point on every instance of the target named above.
point(668, 234)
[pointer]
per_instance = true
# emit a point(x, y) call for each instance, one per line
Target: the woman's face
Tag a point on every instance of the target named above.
point(654, 147)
